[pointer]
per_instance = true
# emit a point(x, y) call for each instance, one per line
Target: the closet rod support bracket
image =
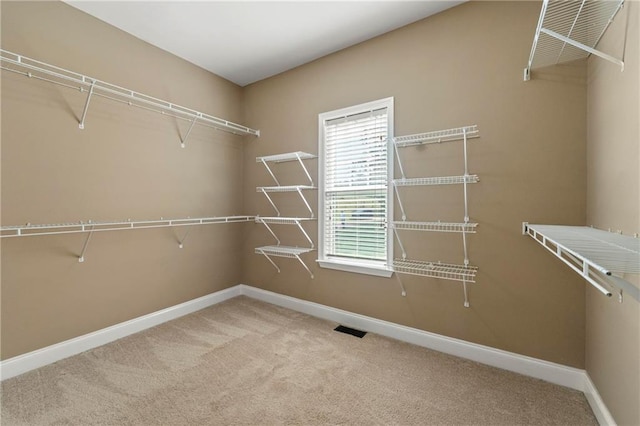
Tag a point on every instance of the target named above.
point(466, 296)
point(86, 106)
point(193, 123)
point(181, 242)
point(583, 47)
point(84, 247)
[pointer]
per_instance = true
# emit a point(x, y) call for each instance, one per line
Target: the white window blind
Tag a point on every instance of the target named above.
point(355, 187)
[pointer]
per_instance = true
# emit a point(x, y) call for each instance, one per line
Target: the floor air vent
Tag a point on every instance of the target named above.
point(351, 331)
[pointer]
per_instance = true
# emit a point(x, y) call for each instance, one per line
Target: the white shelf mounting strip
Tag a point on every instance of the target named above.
point(32, 68)
point(570, 30)
point(594, 254)
point(284, 251)
point(30, 230)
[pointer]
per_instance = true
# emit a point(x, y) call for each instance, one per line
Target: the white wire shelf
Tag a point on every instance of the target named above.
point(289, 156)
point(445, 271)
point(282, 220)
point(595, 254)
point(90, 227)
point(29, 230)
point(32, 68)
point(266, 221)
point(437, 136)
point(284, 188)
point(570, 30)
point(442, 180)
point(279, 250)
point(285, 251)
point(467, 227)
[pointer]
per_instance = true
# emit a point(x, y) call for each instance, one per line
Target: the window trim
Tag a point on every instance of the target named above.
point(380, 269)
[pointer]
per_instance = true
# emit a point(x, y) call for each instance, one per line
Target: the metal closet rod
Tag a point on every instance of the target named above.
point(97, 87)
point(29, 230)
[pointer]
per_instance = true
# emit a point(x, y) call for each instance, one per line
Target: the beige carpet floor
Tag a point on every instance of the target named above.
point(248, 362)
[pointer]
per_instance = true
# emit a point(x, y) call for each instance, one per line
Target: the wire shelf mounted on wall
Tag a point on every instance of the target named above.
point(298, 156)
point(595, 254)
point(280, 250)
point(446, 271)
point(31, 230)
point(436, 226)
point(570, 30)
point(266, 221)
point(32, 68)
point(284, 251)
point(464, 273)
point(439, 136)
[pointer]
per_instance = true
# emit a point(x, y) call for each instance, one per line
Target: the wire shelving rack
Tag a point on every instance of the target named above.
point(464, 273)
point(281, 250)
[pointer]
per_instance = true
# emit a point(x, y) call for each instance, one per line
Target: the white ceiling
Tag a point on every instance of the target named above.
point(247, 41)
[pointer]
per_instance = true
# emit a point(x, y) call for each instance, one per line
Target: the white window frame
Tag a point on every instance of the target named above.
point(377, 268)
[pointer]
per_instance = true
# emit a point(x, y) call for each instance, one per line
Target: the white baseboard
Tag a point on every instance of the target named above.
point(597, 404)
point(548, 371)
point(559, 374)
point(30, 361)
point(551, 372)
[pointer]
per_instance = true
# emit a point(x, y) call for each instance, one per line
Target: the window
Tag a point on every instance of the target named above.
point(354, 198)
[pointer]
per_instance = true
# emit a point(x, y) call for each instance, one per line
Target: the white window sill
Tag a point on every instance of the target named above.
point(378, 271)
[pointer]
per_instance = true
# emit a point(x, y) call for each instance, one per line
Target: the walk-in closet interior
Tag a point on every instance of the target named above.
point(488, 206)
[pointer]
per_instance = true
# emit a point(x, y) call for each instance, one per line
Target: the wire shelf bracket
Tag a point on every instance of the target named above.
point(90, 227)
point(598, 256)
point(290, 156)
point(285, 221)
point(290, 188)
point(570, 30)
point(32, 68)
point(298, 156)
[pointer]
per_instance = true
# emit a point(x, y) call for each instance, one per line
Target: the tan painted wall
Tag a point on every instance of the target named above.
point(461, 67)
point(127, 163)
point(613, 202)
